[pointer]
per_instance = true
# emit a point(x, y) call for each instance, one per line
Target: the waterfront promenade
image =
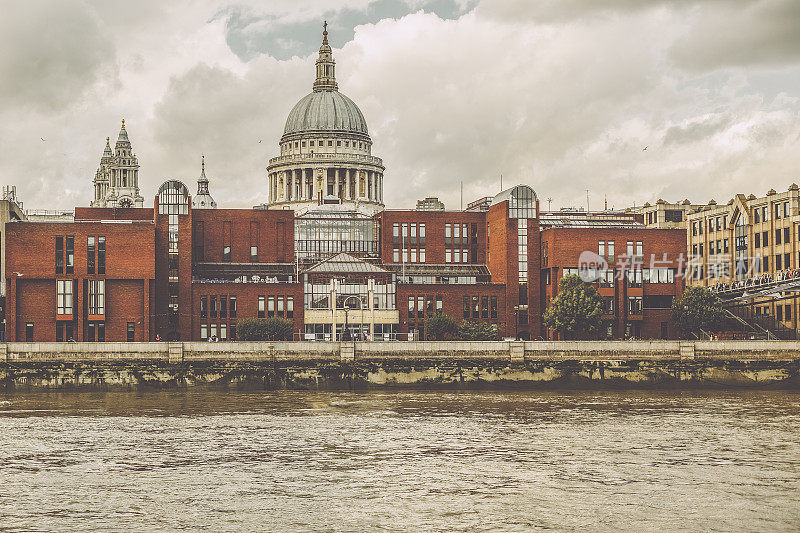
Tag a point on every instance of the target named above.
point(363, 365)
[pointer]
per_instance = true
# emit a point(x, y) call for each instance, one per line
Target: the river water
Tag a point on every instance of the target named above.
point(415, 461)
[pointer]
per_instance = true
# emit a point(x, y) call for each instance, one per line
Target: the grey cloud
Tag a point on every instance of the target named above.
point(696, 131)
point(52, 53)
point(760, 33)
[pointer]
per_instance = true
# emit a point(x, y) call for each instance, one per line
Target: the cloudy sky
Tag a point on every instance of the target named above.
point(563, 95)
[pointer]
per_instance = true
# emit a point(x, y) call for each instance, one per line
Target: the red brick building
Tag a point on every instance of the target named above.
point(174, 272)
point(82, 281)
point(637, 271)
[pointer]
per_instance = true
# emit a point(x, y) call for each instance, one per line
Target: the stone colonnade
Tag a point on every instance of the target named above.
point(302, 184)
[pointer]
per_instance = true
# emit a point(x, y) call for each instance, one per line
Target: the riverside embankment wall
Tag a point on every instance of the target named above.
point(364, 365)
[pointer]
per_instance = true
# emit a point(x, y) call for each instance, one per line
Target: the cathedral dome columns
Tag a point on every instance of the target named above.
point(326, 151)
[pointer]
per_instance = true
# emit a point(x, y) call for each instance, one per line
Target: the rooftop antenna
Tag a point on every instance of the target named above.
point(587, 200)
point(605, 200)
point(549, 201)
point(462, 195)
point(501, 181)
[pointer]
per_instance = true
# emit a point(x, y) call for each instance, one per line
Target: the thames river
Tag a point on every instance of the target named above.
point(414, 461)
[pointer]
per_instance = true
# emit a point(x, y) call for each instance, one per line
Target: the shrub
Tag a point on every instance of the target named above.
point(264, 329)
point(440, 328)
point(475, 330)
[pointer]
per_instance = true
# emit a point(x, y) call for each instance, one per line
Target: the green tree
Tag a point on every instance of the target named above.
point(698, 308)
point(440, 328)
point(577, 309)
point(475, 330)
point(264, 329)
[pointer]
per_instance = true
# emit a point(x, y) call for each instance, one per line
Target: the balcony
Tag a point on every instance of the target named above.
point(334, 158)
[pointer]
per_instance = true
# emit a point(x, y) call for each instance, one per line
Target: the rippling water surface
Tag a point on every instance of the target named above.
point(418, 461)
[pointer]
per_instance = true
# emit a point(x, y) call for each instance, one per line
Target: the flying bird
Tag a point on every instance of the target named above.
point(645, 148)
point(259, 142)
point(42, 138)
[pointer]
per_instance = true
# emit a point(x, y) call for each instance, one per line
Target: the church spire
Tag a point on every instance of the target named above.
point(326, 66)
point(107, 151)
point(123, 134)
point(202, 182)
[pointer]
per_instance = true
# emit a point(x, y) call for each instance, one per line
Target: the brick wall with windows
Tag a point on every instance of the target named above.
point(242, 300)
point(243, 235)
point(427, 236)
point(642, 279)
point(449, 300)
point(50, 288)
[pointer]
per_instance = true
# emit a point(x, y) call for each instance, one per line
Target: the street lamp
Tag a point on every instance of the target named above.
point(345, 331)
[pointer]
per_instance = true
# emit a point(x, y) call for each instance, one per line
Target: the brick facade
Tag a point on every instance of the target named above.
point(240, 255)
point(128, 277)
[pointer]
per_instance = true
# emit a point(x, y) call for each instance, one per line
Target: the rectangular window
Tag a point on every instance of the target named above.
point(448, 234)
point(787, 260)
point(223, 332)
point(608, 305)
point(493, 307)
point(601, 248)
point(396, 255)
point(395, 233)
point(101, 255)
point(438, 305)
point(280, 306)
point(413, 254)
point(97, 297)
point(261, 308)
point(405, 255)
point(457, 233)
point(420, 306)
point(778, 262)
point(758, 240)
point(786, 235)
point(430, 303)
point(213, 331)
point(476, 307)
point(254, 236)
point(413, 234)
point(290, 307)
point(411, 313)
point(90, 255)
point(212, 307)
point(422, 234)
point(64, 297)
point(779, 313)
point(232, 302)
point(756, 215)
point(466, 307)
point(270, 306)
point(484, 307)
point(448, 255)
point(226, 241)
point(422, 255)
point(777, 236)
point(634, 305)
point(223, 307)
point(59, 255)
point(29, 332)
point(765, 239)
point(204, 307)
point(131, 331)
point(69, 261)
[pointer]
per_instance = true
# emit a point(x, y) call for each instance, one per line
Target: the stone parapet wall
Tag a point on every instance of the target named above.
point(407, 351)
